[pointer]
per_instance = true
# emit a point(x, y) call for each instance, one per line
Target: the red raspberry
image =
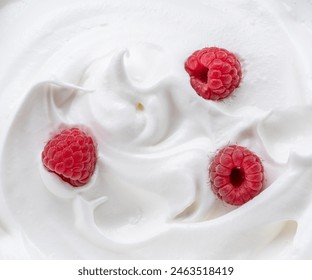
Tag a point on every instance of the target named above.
point(236, 175)
point(71, 154)
point(214, 72)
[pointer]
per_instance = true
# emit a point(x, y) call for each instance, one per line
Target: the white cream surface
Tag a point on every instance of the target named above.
point(116, 68)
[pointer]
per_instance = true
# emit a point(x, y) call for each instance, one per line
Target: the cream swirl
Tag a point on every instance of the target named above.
point(116, 68)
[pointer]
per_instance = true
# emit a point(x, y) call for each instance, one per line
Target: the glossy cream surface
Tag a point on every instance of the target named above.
point(116, 69)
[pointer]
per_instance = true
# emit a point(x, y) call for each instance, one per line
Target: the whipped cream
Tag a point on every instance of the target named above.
point(117, 69)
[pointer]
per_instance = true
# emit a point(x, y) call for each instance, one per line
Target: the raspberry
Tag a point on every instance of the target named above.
point(71, 154)
point(214, 72)
point(236, 175)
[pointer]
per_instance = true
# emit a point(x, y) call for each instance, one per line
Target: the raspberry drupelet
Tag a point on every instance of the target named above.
point(214, 72)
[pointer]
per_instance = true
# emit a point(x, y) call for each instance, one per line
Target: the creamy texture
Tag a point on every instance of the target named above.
point(116, 68)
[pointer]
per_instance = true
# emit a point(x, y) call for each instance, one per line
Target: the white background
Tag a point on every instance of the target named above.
point(69, 269)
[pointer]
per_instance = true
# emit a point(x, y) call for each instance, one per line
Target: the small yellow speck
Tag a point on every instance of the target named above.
point(140, 106)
